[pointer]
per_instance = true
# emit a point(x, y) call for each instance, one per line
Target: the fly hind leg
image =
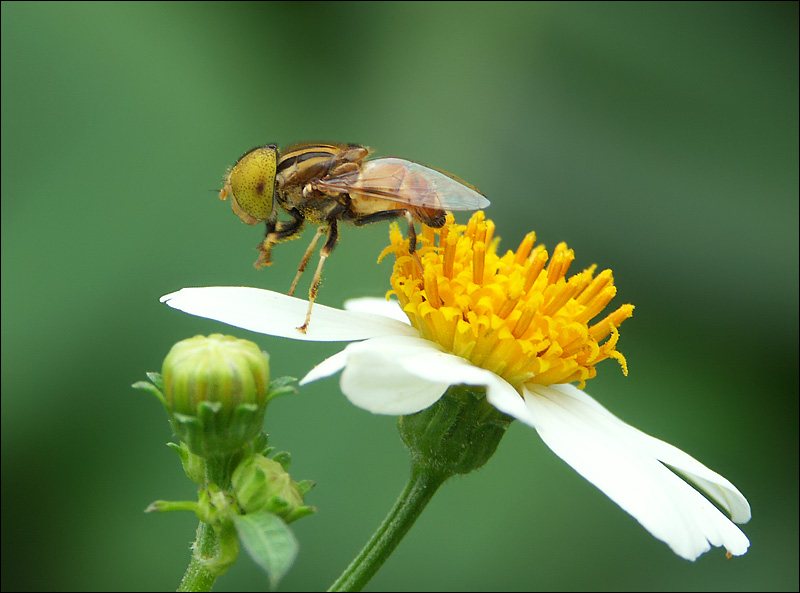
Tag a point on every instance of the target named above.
point(391, 215)
point(333, 237)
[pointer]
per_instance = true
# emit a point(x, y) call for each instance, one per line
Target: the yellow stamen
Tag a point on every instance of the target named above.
point(428, 236)
point(478, 261)
point(536, 260)
point(431, 288)
point(449, 255)
point(524, 321)
point(489, 232)
point(524, 249)
point(509, 314)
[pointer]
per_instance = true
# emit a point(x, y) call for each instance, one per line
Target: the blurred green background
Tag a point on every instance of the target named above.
point(660, 140)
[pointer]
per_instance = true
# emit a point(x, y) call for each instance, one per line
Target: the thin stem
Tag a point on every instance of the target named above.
point(197, 578)
point(421, 486)
point(212, 554)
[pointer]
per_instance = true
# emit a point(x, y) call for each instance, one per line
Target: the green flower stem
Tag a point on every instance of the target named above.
point(422, 485)
point(197, 578)
point(206, 548)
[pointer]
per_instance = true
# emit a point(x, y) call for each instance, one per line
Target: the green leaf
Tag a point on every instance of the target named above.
point(165, 506)
point(269, 541)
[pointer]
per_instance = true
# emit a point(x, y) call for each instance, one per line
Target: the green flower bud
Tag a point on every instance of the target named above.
point(215, 391)
point(262, 484)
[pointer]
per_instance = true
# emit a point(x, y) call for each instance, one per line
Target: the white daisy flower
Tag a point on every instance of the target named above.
point(522, 330)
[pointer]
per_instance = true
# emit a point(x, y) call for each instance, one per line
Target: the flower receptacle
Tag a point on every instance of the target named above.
point(457, 434)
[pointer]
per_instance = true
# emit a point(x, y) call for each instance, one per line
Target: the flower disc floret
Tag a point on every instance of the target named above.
point(517, 315)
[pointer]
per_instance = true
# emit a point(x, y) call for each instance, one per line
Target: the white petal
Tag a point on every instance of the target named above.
point(618, 461)
point(399, 376)
point(329, 366)
point(442, 367)
point(377, 306)
point(375, 379)
point(714, 485)
point(276, 314)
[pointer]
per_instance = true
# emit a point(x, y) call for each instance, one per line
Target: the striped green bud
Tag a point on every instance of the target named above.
point(215, 391)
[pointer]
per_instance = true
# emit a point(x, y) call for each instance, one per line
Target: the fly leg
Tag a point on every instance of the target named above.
point(276, 233)
point(304, 262)
point(412, 240)
point(389, 215)
point(412, 233)
point(333, 237)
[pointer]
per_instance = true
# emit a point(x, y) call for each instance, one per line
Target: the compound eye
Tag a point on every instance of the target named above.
point(252, 182)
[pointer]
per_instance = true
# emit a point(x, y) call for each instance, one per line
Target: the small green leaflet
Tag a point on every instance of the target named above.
point(269, 541)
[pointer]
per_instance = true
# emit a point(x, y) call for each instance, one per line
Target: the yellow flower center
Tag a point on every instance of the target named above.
point(516, 315)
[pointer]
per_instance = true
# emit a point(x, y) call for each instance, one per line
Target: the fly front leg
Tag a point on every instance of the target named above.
point(333, 237)
point(276, 233)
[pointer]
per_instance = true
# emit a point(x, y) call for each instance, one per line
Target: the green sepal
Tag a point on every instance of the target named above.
point(305, 486)
point(211, 431)
point(182, 451)
point(282, 386)
point(270, 543)
point(299, 513)
point(260, 444)
point(194, 466)
point(156, 379)
point(277, 506)
point(284, 458)
point(152, 388)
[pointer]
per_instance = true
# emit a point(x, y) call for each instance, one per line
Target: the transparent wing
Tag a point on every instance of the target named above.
point(406, 182)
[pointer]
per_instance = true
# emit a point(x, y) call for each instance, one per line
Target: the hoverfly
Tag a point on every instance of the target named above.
point(325, 183)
